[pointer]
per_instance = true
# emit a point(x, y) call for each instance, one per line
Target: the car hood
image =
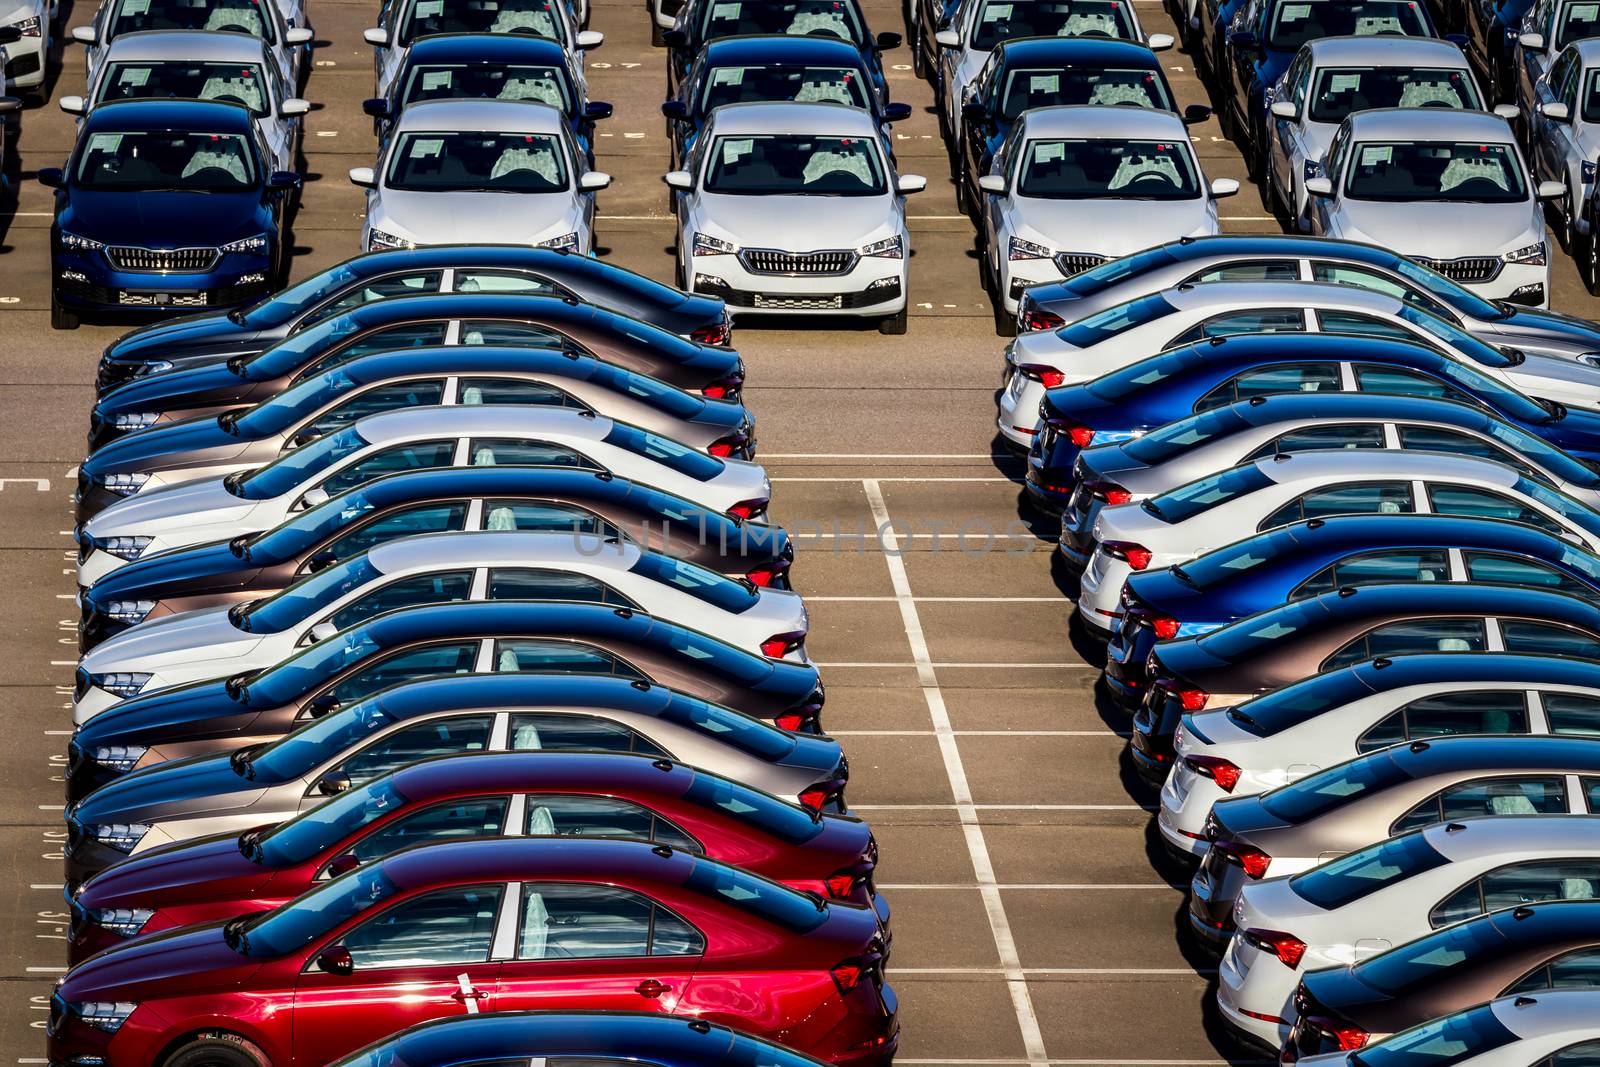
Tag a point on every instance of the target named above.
point(185, 638)
point(166, 446)
point(1530, 326)
point(119, 219)
point(151, 719)
point(168, 875)
point(1439, 230)
point(165, 508)
point(178, 788)
point(474, 217)
point(797, 223)
point(164, 965)
point(210, 382)
point(164, 340)
point(209, 568)
point(1112, 228)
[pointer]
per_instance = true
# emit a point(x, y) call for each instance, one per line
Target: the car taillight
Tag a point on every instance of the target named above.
point(1165, 626)
point(714, 392)
point(748, 509)
point(840, 885)
point(1288, 948)
point(1110, 492)
point(828, 791)
point(779, 645)
point(1350, 1038)
point(1219, 770)
point(814, 799)
point(847, 975)
point(764, 575)
point(1136, 556)
point(1048, 376)
point(1192, 699)
point(1034, 319)
point(1252, 859)
point(723, 447)
point(713, 335)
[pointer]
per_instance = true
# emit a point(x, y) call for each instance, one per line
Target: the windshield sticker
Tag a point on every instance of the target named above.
point(427, 9)
point(426, 147)
point(735, 150)
point(105, 142)
point(1044, 83)
point(436, 79)
point(1583, 12)
point(996, 12)
point(133, 75)
point(1049, 152)
point(1295, 12)
point(136, 7)
point(1344, 83)
point(726, 11)
point(1376, 155)
point(728, 76)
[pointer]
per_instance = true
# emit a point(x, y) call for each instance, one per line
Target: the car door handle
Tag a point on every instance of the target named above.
point(651, 988)
point(464, 995)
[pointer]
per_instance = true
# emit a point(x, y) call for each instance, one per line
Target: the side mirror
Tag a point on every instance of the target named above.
point(318, 561)
point(294, 106)
point(83, 34)
point(1532, 41)
point(588, 40)
point(365, 177)
point(675, 111)
point(1285, 109)
point(1322, 187)
point(1195, 114)
point(594, 180)
point(1224, 187)
point(994, 184)
point(298, 35)
point(1160, 42)
point(910, 183)
point(377, 108)
point(313, 497)
point(333, 783)
point(947, 39)
point(1509, 112)
point(322, 705)
point(336, 960)
point(323, 630)
point(73, 105)
point(1244, 41)
point(283, 180)
point(974, 111)
point(1555, 111)
point(377, 37)
point(52, 177)
point(595, 110)
point(675, 39)
point(678, 179)
point(1551, 190)
point(886, 41)
point(343, 864)
point(896, 112)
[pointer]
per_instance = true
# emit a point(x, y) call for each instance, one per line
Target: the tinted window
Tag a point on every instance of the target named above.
point(405, 522)
point(437, 737)
point(566, 922)
point(1351, 877)
point(1532, 795)
point(1335, 787)
point(1437, 439)
point(1575, 970)
point(697, 581)
point(1366, 278)
point(477, 817)
point(535, 584)
point(441, 588)
point(1418, 635)
point(376, 399)
point(1272, 270)
point(557, 657)
point(1441, 1042)
point(417, 283)
point(1293, 704)
point(1549, 639)
point(541, 516)
point(305, 836)
point(1509, 570)
point(1275, 320)
point(1478, 503)
point(1342, 90)
point(1405, 565)
point(479, 391)
point(525, 334)
point(583, 816)
point(1162, 444)
point(475, 280)
point(756, 895)
point(1107, 324)
point(780, 818)
point(1200, 496)
point(1586, 1054)
point(406, 666)
point(1322, 438)
point(1428, 958)
point(1572, 713)
point(499, 452)
point(388, 339)
point(1482, 712)
point(668, 453)
point(576, 733)
point(1304, 378)
point(420, 456)
point(1391, 498)
point(1397, 382)
point(449, 926)
point(1437, 171)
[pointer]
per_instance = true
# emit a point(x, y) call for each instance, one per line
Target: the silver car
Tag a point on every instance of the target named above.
point(1548, 28)
point(1563, 127)
point(410, 439)
point(401, 22)
point(280, 27)
point(1557, 1027)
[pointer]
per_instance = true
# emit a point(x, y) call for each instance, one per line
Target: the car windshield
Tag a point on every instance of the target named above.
point(232, 16)
point(654, 392)
point(295, 925)
point(538, 18)
point(1435, 172)
point(481, 162)
point(786, 821)
point(310, 526)
point(1341, 90)
point(1230, 561)
point(1028, 89)
point(1503, 398)
point(789, 165)
point(1550, 459)
point(695, 580)
point(1320, 793)
point(797, 18)
point(1442, 1042)
point(1297, 22)
point(1576, 22)
point(237, 83)
point(289, 472)
point(1106, 169)
point(999, 21)
point(297, 754)
point(751, 893)
point(295, 677)
point(1200, 496)
point(1238, 640)
point(288, 407)
point(1574, 512)
point(167, 161)
point(280, 307)
point(750, 735)
point(668, 453)
point(538, 83)
point(1457, 297)
point(1104, 325)
point(311, 833)
point(1286, 708)
point(763, 83)
point(294, 604)
point(1589, 106)
point(1425, 959)
point(1113, 271)
point(1349, 878)
point(1175, 438)
point(1456, 338)
point(745, 668)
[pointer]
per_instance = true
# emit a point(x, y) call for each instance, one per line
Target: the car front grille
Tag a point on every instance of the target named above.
point(809, 301)
point(162, 260)
point(1469, 269)
point(1070, 263)
point(771, 261)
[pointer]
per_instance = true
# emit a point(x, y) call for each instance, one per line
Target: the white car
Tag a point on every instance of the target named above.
point(281, 27)
point(434, 569)
point(201, 65)
point(1289, 487)
point(488, 171)
point(1557, 1028)
point(978, 25)
point(1340, 714)
point(23, 60)
point(411, 439)
point(402, 22)
point(1331, 78)
point(794, 209)
point(1563, 128)
point(1075, 186)
point(1406, 887)
point(1124, 334)
point(1547, 29)
point(1448, 189)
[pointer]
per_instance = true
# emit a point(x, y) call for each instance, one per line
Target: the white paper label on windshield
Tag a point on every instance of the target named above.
point(1049, 152)
point(1344, 83)
point(105, 142)
point(426, 147)
point(133, 75)
point(735, 150)
point(1583, 12)
point(728, 76)
point(427, 9)
point(436, 79)
point(726, 11)
point(1295, 12)
point(1376, 155)
point(136, 7)
point(1044, 83)
point(996, 12)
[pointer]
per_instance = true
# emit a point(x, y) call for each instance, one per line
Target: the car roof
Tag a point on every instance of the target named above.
point(1447, 668)
point(539, 771)
point(764, 47)
point(1488, 836)
point(1281, 294)
point(501, 548)
point(1331, 466)
point(516, 859)
point(490, 116)
point(495, 480)
point(471, 619)
point(1276, 244)
point(1345, 531)
point(1102, 120)
point(1273, 347)
point(1549, 1012)
point(467, 359)
point(524, 691)
point(504, 420)
point(1087, 51)
point(191, 45)
point(1430, 124)
point(481, 305)
point(488, 47)
point(541, 259)
point(1276, 407)
point(1389, 51)
point(1446, 598)
point(1450, 755)
point(186, 115)
point(787, 117)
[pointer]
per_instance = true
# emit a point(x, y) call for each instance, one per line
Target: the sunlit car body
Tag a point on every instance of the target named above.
point(1563, 127)
point(516, 923)
point(580, 503)
point(28, 29)
point(234, 791)
point(537, 794)
point(1544, 34)
point(524, 644)
point(1508, 1032)
point(281, 26)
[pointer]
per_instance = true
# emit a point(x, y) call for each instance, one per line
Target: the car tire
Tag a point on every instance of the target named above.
point(1567, 233)
point(1005, 323)
point(656, 39)
point(963, 201)
point(62, 318)
point(1589, 265)
point(919, 58)
point(218, 1050)
point(895, 324)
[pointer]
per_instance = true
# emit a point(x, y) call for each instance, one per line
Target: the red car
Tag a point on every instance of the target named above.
point(490, 924)
point(548, 794)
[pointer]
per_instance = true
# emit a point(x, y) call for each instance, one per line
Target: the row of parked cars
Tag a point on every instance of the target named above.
point(440, 663)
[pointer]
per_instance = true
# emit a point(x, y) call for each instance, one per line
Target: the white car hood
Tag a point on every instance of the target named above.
point(182, 639)
point(796, 223)
point(178, 506)
point(1438, 230)
point(474, 217)
point(1109, 227)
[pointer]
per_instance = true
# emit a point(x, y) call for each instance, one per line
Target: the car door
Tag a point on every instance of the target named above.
point(1571, 714)
point(1549, 138)
point(444, 736)
point(1411, 635)
point(1272, 380)
point(282, 132)
point(425, 957)
point(976, 147)
point(1283, 135)
point(411, 456)
point(1366, 498)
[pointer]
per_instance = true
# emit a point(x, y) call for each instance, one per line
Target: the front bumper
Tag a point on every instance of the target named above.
point(1520, 283)
point(871, 288)
point(87, 282)
point(25, 60)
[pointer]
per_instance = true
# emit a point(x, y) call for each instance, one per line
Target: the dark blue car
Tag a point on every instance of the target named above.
point(1325, 555)
point(1213, 374)
point(165, 206)
point(1492, 30)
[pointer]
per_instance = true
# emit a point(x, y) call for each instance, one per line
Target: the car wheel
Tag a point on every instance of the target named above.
point(963, 201)
point(1589, 265)
point(218, 1050)
point(919, 58)
point(1005, 323)
point(62, 318)
point(1568, 234)
point(1255, 153)
point(894, 324)
point(656, 40)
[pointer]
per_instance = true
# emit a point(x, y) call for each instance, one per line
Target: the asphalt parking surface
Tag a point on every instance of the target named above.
point(1036, 918)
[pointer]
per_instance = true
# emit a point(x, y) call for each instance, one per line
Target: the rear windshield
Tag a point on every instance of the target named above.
point(1505, 399)
point(1550, 458)
point(1115, 320)
point(1579, 515)
point(1335, 787)
point(1342, 90)
point(650, 391)
point(1235, 559)
point(731, 727)
point(1295, 704)
point(668, 453)
point(1303, 21)
point(798, 18)
point(695, 580)
point(1441, 1042)
point(537, 18)
point(1199, 497)
point(1175, 438)
point(775, 903)
point(1110, 273)
point(1121, 384)
point(783, 820)
point(1427, 958)
point(1132, 87)
point(539, 83)
point(1349, 878)
point(1456, 338)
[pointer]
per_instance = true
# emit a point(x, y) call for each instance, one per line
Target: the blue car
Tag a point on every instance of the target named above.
point(1224, 370)
point(773, 68)
point(165, 206)
point(491, 66)
point(515, 1037)
point(1493, 28)
point(1324, 555)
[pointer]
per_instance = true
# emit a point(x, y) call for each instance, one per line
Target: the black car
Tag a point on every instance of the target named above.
point(412, 272)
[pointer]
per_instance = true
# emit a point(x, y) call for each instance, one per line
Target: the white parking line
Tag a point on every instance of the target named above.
point(1004, 807)
point(1193, 972)
point(977, 848)
point(1033, 885)
point(945, 664)
point(943, 599)
point(981, 733)
point(45, 970)
point(992, 478)
point(884, 455)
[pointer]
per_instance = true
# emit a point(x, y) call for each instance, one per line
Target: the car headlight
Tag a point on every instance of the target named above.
point(80, 244)
point(123, 484)
point(122, 547)
point(258, 243)
point(888, 248)
point(379, 240)
point(134, 420)
point(122, 836)
point(1533, 254)
point(129, 610)
point(124, 922)
point(1021, 249)
point(107, 1015)
point(154, 366)
point(567, 242)
point(119, 758)
point(121, 683)
point(706, 245)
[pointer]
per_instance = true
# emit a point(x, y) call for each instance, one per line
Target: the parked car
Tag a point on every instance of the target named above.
point(584, 504)
point(1562, 142)
point(202, 65)
point(209, 229)
point(444, 172)
point(713, 932)
point(768, 183)
point(26, 43)
point(537, 794)
point(281, 26)
point(580, 280)
point(1492, 30)
point(403, 23)
point(1546, 32)
point(529, 642)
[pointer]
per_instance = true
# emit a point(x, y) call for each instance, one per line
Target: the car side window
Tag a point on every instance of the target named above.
point(1377, 498)
point(1321, 438)
point(1417, 635)
point(532, 583)
point(1448, 714)
point(410, 457)
point(1471, 502)
point(447, 821)
point(558, 657)
point(1406, 565)
point(411, 283)
point(1265, 270)
point(417, 519)
point(442, 587)
point(1510, 795)
point(511, 452)
point(585, 816)
point(1267, 320)
point(389, 339)
point(1345, 322)
point(379, 398)
point(1511, 570)
point(1583, 1054)
point(1267, 381)
point(540, 516)
point(429, 661)
point(478, 391)
point(1548, 639)
point(1459, 906)
point(1374, 281)
point(1393, 381)
point(490, 332)
point(579, 922)
point(1575, 970)
point(1519, 883)
point(576, 733)
point(1572, 713)
point(1333, 162)
point(436, 737)
point(479, 280)
point(448, 926)
point(1437, 439)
